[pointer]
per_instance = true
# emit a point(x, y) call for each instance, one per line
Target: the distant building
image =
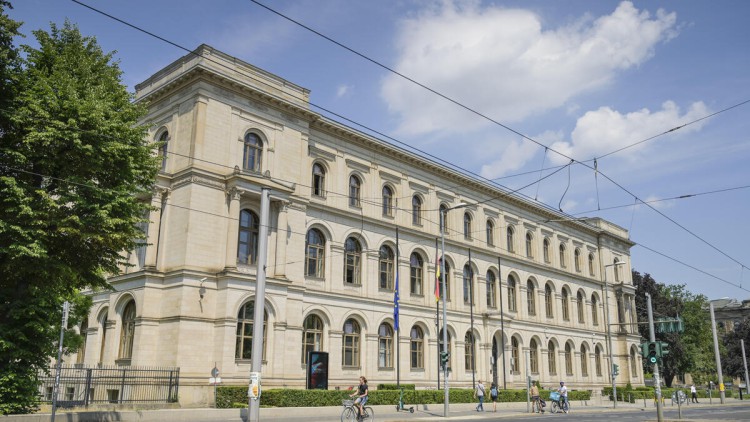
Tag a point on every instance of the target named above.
point(337, 198)
point(729, 313)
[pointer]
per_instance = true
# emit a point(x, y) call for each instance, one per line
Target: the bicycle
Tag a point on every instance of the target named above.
point(554, 397)
point(351, 411)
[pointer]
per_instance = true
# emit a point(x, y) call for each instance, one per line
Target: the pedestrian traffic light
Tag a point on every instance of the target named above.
point(662, 348)
point(444, 356)
point(653, 352)
point(615, 369)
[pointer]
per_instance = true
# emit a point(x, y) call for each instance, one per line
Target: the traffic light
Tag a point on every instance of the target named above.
point(662, 348)
point(644, 350)
point(444, 357)
point(615, 369)
point(653, 353)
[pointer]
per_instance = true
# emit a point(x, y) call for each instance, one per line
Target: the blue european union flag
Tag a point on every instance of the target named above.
point(395, 305)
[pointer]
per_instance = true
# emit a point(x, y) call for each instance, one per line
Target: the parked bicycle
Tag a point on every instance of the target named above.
point(557, 404)
point(350, 412)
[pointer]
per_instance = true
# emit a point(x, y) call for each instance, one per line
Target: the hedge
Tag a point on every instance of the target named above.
point(649, 393)
point(228, 397)
point(396, 387)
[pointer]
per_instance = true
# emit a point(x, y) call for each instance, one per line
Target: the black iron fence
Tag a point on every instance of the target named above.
point(82, 386)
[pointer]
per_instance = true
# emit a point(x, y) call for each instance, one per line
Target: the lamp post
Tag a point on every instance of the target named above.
point(443, 215)
point(609, 332)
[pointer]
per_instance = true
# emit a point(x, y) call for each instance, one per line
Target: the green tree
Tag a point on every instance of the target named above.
point(74, 166)
point(731, 360)
point(689, 351)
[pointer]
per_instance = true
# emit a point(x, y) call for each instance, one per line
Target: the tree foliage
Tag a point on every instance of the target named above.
point(731, 360)
point(73, 164)
point(689, 351)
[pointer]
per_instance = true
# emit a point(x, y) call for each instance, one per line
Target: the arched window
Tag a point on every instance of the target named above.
point(315, 255)
point(577, 260)
point(581, 302)
point(598, 361)
point(127, 334)
point(529, 245)
point(252, 153)
point(584, 362)
point(415, 273)
point(594, 310)
point(443, 218)
point(244, 346)
point(514, 356)
point(416, 342)
point(350, 344)
point(490, 233)
point(352, 261)
point(469, 351)
point(491, 290)
point(468, 285)
point(591, 264)
point(616, 269)
point(164, 141)
point(387, 201)
point(385, 346)
point(568, 359)
point(545, 249)
point(563, 262)
point(534, 356)
point(511, 242)
point(565, 303)
point(247, 248)
point(530, 298)
point(318, 180)
point(467, 226)
point(447, 282)
point(511, 294)
point(549, 301)
point(385, 263)
point(83, 331)
point(355, 186)
point(416, 210)
point(552, 358)
point(312, 336)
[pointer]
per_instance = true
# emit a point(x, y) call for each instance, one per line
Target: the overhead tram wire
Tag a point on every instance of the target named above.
point(467, 172)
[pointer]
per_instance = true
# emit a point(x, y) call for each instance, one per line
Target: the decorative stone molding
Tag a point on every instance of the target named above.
point(316, 152)
point(200, 180)
point(364, 168)
point(419, 187)
point(390, 177)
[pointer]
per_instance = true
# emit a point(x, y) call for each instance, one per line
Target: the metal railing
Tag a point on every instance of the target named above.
point(82, 386)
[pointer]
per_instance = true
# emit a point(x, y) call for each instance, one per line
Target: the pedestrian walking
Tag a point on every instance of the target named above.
point(693, 394)
point(493, 396)
point(479, 393)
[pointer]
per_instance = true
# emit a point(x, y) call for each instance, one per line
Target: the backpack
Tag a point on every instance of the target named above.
point(493, 392)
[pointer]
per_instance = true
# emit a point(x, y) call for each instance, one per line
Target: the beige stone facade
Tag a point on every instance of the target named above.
point(338, 197)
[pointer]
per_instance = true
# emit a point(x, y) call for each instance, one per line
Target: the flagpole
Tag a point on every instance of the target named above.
point(471, 311)
point(437, 309)
point(395, 317)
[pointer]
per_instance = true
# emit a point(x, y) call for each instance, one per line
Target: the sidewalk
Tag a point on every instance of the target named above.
point(385, 413)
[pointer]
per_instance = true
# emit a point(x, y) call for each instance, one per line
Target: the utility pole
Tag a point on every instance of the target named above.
point(652, 338)
point(260, 297)
point(58, 365)
point(716, 352)
point(744, 361)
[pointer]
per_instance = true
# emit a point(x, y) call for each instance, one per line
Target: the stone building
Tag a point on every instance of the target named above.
point(526, 284)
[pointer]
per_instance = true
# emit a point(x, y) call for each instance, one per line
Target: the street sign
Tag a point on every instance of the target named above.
point(253, 390)
point(215, 372)
point(214, 380)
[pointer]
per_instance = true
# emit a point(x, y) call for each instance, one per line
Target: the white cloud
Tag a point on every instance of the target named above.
point(605, 130)
point(515, 155)
point(503, 63)
point(343, 90)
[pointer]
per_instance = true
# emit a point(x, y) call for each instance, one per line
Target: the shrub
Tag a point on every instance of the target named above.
point(395, 387)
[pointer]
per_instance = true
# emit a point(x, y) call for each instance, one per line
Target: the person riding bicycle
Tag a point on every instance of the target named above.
point(563, 395)
point(361, 393)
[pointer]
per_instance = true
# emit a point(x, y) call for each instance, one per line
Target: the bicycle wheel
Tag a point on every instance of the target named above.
point(348, 415)
point(369, 414)
point(566, 407)
point(554, 407)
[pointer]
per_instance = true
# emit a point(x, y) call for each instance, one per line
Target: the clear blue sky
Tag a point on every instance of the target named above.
point(582, 77)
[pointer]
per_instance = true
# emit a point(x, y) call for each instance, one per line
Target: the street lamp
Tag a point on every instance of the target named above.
point(609, 333)
point(443, 215)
